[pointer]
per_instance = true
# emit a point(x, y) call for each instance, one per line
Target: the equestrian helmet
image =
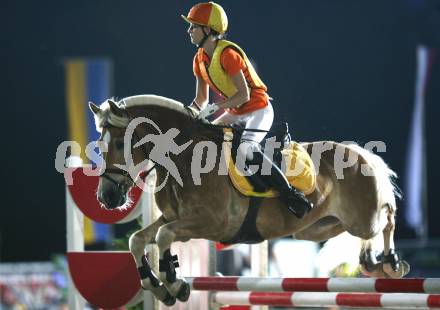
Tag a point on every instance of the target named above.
point(208, 14)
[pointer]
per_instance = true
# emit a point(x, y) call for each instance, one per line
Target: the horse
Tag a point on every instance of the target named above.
point(361, 204)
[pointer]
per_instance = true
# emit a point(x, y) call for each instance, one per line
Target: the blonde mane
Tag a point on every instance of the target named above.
point(106, 117)
point(151, 100)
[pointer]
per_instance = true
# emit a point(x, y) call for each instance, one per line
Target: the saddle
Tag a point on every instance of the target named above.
point(291, 157)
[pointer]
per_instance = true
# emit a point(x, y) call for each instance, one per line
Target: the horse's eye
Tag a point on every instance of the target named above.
point(119, 145)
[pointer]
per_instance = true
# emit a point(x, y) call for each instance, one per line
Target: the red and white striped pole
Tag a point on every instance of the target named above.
point(255, 284)
point(318, 299)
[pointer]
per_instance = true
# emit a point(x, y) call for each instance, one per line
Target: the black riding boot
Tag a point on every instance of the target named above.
point(294, 199)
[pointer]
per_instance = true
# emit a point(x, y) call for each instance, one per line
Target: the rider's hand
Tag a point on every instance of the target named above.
point(207, 111)
point(195, 106)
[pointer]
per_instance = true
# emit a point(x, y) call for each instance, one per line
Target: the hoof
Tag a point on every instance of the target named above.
point(403, 270)
point(184, 292)
point(374, 273)
point(169, 300)
point(405, 266)
point(370, 260)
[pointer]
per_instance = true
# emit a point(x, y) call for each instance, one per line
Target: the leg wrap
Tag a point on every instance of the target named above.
point(393, 259)
point(146, 272)
point(369, 260)
point(169, 264)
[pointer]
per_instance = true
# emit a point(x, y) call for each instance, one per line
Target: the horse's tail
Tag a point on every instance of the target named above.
point(387, 189)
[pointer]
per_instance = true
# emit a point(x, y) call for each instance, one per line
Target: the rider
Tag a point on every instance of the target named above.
point(223, 66)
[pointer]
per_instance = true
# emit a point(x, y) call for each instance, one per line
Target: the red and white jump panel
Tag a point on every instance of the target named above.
point(319, 299)
point(428, 285)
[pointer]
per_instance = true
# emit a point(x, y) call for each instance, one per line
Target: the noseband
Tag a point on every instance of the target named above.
point(122, 186)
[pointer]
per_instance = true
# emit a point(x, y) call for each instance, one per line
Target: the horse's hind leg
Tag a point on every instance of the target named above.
point(383, 264)
point(392, 265)
point(149, 281)
point(371, 255)
point(370, 258)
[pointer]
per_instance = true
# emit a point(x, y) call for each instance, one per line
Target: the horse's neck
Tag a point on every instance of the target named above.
point(189, 129)
point(164, 118)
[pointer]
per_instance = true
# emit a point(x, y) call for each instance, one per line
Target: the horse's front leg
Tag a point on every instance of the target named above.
point(149, 280)
point(179, 230)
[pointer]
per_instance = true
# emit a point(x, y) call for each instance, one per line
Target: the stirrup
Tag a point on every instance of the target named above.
point(298, 204)
point(300, 195)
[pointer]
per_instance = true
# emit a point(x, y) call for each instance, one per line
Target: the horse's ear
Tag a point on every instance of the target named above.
point(94, 108)
point(114, 108)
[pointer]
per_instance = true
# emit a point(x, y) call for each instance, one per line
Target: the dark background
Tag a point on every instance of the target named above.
point(337, 70)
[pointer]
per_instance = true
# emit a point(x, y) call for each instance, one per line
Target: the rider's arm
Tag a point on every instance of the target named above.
point(241, 96)
point(202, 94)
point(202, 88)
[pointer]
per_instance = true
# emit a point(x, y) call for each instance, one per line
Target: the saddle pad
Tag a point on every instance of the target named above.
point(299, 170)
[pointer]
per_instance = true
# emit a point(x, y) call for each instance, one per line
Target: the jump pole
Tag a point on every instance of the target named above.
point(319, 299)
point(264, 284)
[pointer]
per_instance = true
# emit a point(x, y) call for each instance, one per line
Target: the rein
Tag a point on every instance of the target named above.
point(234, 128)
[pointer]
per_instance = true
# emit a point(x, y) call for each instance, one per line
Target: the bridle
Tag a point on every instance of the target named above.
point(124, 185)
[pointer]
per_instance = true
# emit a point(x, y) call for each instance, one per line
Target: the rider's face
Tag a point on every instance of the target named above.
point(196, 33)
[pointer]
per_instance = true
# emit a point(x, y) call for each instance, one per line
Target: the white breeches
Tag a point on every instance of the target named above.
point(261, 119)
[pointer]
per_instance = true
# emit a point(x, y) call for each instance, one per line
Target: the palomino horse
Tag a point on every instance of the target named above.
point(363, 205)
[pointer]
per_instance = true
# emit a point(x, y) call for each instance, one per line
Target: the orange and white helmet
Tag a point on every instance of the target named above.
point(208, 14)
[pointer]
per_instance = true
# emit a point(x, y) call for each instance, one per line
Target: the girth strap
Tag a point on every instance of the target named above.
point(248, 232)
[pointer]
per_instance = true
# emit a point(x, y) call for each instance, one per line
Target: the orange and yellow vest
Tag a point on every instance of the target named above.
point(213, 73)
